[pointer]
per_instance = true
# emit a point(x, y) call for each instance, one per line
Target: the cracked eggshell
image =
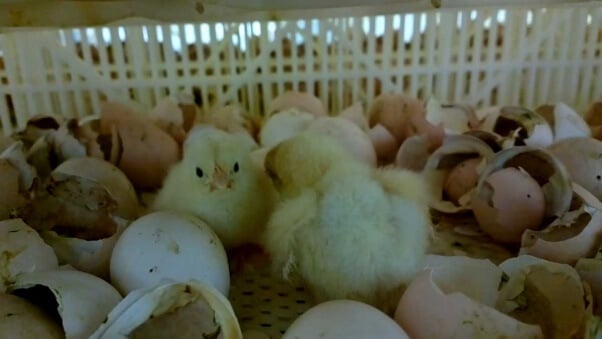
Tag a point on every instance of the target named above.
point(577, 234)
point(142, 305)
point(82, 300)
point(172, 245)
point(455, 150)
point(22, 251)
point(549, 173)
point(344, 319)
point(455, 118)
point(545, 293)
point(20, 319)
point(582, 158)
point(426, 310)
point(91, 256)
point(565, 122)
point(519, 126)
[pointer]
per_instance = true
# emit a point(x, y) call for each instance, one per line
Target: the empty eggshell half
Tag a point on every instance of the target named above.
point(565, 122)
point(82, 300)
point(519, 125)
point(344, 319)
point(456, 119)
point(577, 234)
point(23, 251)
point(20, 319)
point(545, 293)
point(427, 311)
point(455, 150)
point(171, 310)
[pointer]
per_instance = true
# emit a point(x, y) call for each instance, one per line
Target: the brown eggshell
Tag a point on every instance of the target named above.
point(419, 125)
point(462, 178)
point(148, 151)
point(384, 142)
point(393, 111)
point(593, 116)
point(302, 101)
point(510, 202)
point(425, 311)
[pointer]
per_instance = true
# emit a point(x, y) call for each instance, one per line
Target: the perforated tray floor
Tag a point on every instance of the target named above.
point(265, 304)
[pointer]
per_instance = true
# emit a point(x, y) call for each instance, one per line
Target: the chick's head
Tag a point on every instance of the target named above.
point(302, 160)
point(216, 161)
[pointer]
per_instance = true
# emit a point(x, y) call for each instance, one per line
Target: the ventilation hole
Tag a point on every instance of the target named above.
point(300, 289)
point(282, 294)
point(285, 318)
point(282, 331)
point(247, 306)
point(284, 307)
point(529, 196)
point(266, 325)
point(267, 300)
point(249, 281)
point(300, 302)
point(248, 293)
point(266, 312)
point(264, 287)
point(598, 177)
point(246, 319)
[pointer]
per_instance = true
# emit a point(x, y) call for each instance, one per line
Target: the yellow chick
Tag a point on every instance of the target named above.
point(346, 230)
point(217, 181)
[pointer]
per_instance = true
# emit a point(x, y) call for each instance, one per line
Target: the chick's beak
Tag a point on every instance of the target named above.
point(220, 179)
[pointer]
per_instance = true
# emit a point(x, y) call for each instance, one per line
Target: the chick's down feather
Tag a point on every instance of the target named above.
point(217, 181)
point(344, 229)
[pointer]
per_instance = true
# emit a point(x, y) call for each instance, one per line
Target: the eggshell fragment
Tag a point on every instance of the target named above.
point(424, 304)
point(509, 202)
point(462, 179)
point(413, 153)
point(168, 245)
point(20, 319)
point(384, 143)
point(392, 111)
point(521, 126)
point(546, 293)
point(23, 251)
point(565, 122)
point(299, 100)
point(82, 300)
point(344, 319)
point(456, 119)
point(582, 158)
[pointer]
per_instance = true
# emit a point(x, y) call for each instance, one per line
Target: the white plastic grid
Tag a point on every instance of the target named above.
point(512, 56)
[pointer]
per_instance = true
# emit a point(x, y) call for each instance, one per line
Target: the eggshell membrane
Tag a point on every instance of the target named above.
point(517, 203)
point(83, 299)
point(23, 251)
point(300, 100)
point(582, 157)
point(425, 311)
point(356, 141)
point(20, 319)
point(171, 245)
point(344, 319)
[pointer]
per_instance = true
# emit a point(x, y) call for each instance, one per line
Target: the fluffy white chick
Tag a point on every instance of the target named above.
point(217, 181)
point(346, 230)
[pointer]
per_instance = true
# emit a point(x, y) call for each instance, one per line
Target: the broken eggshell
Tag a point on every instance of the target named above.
point(545, 293)
point(413, 153)
point(519, 126)
point(582, 158)
point(20, 319)
point(298, 100)
point(455, 150)
point(455, 118)
point(284, 125)
point(540, 165)
point(577, 234)
point(456, 315)
point(82, 300)
point(23, 251)
point(213, 313)
point(565, 122)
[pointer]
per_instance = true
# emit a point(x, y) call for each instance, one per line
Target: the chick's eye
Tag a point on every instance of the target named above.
point(199, 172)
point(236, 167)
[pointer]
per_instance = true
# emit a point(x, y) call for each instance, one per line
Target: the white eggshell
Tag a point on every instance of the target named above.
point(92, 256)
point(142, 304)
point(344, 319)
point(568, 123)
point(168, 245)
point(83, 300)
point(23, 251)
